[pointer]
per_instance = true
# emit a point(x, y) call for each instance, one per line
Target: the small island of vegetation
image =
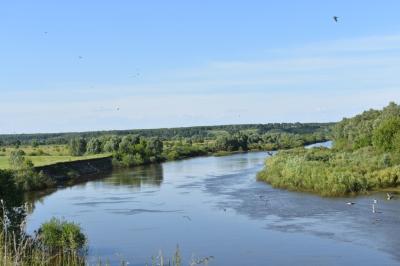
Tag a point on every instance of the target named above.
point(365, 156)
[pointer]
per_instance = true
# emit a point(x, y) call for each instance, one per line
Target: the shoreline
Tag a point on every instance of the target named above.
point(73, 172)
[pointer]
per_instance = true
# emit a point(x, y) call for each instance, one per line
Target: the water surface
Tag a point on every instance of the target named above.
point(213, 206)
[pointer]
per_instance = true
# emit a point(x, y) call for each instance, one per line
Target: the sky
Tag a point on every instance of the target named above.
point(100, 65)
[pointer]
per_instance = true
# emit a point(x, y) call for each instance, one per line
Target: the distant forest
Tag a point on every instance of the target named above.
point(198, 132)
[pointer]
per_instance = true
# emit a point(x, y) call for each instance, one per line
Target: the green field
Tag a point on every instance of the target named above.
point(47, 160)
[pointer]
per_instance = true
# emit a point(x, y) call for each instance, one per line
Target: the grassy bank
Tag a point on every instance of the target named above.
point(44, 155)
point(329, 172)
point(365, 157)
point(49, 160)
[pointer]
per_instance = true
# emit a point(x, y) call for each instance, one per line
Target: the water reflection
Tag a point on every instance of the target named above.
point(149, 175)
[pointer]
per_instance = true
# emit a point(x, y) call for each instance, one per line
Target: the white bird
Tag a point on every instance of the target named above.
point(389, 197)
point(350, 203)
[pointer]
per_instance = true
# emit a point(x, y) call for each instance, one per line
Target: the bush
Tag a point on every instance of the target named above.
point(58, 235)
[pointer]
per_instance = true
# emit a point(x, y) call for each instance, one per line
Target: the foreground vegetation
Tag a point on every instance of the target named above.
point(365, 157)
point(57, 242)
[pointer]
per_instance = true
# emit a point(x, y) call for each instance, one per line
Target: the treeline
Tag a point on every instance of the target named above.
point(365, 156)
point(200, 132)
point(133, 150)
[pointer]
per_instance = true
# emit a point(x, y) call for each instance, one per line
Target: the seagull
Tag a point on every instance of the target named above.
point(350, 203)
point(335, 18)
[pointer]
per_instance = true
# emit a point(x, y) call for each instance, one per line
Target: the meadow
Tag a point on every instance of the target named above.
point(45, 155)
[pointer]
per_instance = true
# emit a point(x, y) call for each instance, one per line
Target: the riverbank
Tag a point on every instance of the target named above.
point(329, 172)
point(76, 171)
point(46, 160)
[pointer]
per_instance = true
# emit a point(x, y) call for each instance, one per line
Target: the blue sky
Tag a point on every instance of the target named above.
point(92, 65)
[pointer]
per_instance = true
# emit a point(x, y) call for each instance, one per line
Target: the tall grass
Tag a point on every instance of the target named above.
point(331, 172)
point(19, 248)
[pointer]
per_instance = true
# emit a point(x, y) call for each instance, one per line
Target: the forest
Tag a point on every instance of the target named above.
point(198, 132)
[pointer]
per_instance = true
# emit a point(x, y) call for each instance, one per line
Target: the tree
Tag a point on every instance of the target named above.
point(17, 159)
point(155, 147)
point(386, 133)
point(17, 143)
point(11, 196)
point(77, 146)
point(94, 146)
point(25, 175)
point(128, 142)
point(112, 144)
point(35, 143)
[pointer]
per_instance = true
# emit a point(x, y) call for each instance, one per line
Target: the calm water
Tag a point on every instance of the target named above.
point(213, 206)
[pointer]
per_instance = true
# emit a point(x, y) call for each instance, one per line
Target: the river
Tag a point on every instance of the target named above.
point(213, 206)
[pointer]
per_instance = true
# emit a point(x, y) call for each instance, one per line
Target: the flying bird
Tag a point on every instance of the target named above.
point(335, 18)
point(187, 217)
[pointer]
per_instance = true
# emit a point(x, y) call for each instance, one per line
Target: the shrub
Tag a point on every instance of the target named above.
point(59, 235)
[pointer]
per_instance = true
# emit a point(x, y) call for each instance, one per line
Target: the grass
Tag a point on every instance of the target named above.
point(54, 150)
point(331, 172)
point(52, 159)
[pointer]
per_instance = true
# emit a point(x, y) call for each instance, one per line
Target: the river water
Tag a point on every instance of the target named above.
point(213, 206)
